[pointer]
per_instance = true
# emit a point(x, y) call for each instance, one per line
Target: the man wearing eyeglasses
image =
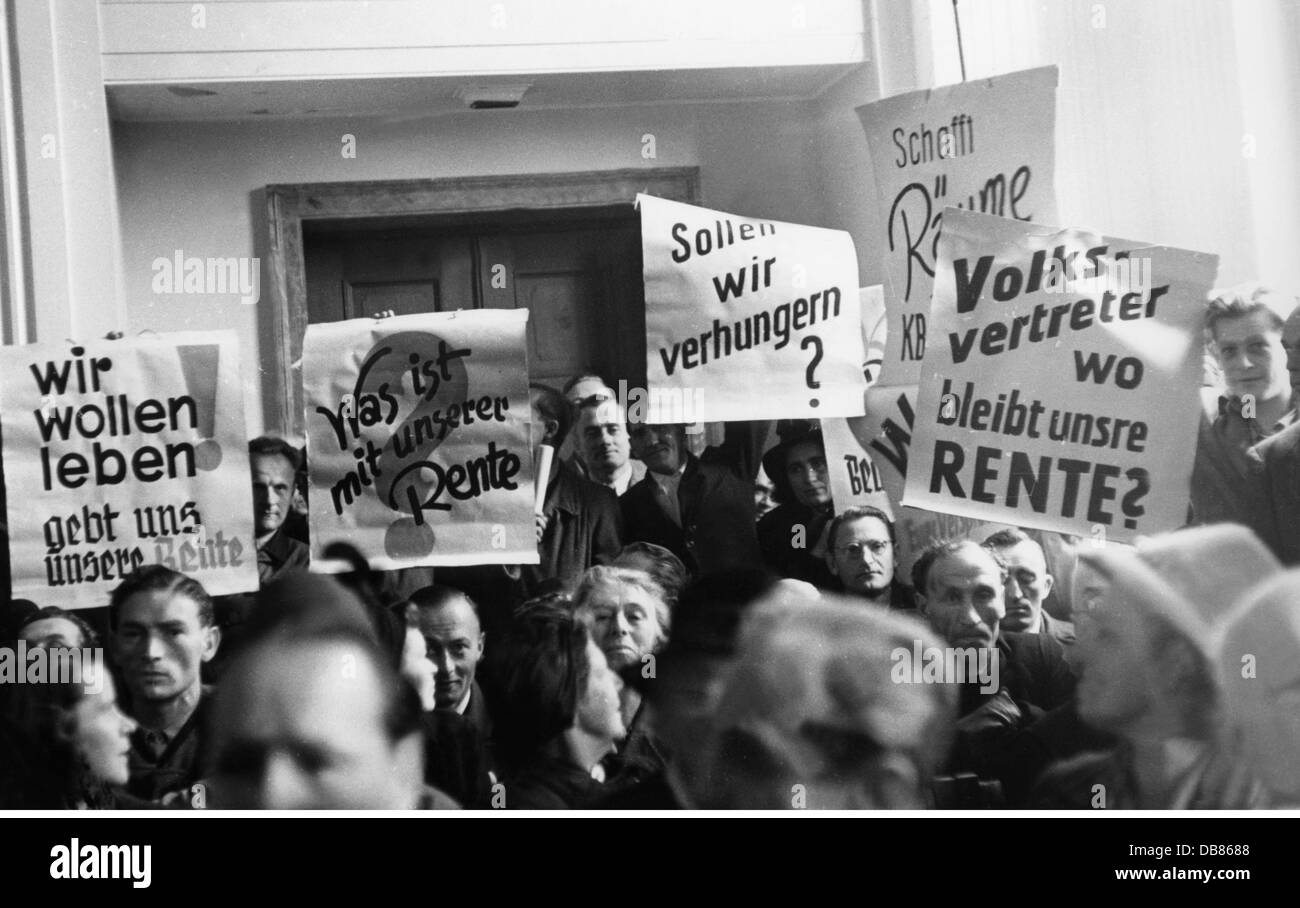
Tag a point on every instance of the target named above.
point(860, 552)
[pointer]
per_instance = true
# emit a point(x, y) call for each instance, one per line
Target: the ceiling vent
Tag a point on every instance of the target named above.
point(493, 97)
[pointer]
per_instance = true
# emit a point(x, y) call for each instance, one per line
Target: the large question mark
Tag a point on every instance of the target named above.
point(1129, 503)
point(816, 341)
point(199, 365)
point(401, 485)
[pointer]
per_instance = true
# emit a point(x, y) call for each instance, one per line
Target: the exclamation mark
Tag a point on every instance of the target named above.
point(199, 365)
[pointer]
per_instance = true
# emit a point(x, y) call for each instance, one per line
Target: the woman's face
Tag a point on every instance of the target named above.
point(805, 468)
point(101, 734)
point(598, 710)
point(625, 623)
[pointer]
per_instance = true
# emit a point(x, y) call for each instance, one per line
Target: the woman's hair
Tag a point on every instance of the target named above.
point(40, 768)
point(601, 576)
point(535, 677)
point(666, 569)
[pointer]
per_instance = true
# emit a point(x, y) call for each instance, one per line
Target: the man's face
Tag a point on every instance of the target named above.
point(805, 468)
point(662, 448)
point(624, 622)
point(160, 644)
point(1250, 352)
point(863, 557)
point(1291, 344)
point(51, 633)
point(602, 433)
point(272, 491)
point(453, 642)
point(300, 727)
point(1028, 584)
point(964, 598)
point(599, 712)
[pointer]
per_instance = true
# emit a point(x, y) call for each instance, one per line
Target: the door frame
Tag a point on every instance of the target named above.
point(288, 205)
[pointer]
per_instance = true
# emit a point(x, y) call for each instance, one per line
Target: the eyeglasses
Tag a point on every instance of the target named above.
point(858, 549)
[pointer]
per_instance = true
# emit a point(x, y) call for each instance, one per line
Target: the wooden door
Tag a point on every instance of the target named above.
point(580, 281)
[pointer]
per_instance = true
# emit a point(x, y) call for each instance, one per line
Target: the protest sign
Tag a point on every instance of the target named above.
point(986, 145)
point(124, 453)
point(1061, 387)
point(747, 319)
point(418, 438)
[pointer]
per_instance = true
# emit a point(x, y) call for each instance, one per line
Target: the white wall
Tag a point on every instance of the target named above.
point(194, 186)
point(180, 41)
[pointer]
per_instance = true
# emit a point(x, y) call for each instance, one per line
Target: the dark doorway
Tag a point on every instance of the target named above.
point(578, 272)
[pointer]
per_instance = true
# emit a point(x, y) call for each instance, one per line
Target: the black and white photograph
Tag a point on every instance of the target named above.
point(885, 410)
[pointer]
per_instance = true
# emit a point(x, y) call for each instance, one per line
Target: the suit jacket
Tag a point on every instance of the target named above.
point(1278, 487)
point(776, 537)
point(1227, 485)
point(281, 554)
point(994, 735)
point(717, 509)
point(1059, 629)
point(583, 529)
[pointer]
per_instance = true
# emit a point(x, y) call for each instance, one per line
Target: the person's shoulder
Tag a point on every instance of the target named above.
point(1033, 649)
point(718, 475)
point(299, 554)
point(778, 520)
point(1058, 629)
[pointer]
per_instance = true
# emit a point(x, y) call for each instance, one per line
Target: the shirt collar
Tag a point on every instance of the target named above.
point(1231, 404)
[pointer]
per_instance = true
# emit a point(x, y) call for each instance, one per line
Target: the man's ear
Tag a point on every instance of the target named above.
point(482, 642)
point(551, 430)
point(1048, 582)
point(211, 642)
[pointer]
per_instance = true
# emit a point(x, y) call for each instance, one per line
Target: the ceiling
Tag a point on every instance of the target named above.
point(419, 98)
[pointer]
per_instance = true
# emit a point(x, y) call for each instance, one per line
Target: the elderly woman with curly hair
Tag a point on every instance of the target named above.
point(629, 617)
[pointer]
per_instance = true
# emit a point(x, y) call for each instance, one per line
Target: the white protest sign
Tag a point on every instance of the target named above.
point(985, 145)
point(124, 453)
point(1060, 387)
point(748, 319)
point(418, 438)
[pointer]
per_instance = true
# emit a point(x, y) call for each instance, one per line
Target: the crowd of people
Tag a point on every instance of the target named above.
point(705, 629)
